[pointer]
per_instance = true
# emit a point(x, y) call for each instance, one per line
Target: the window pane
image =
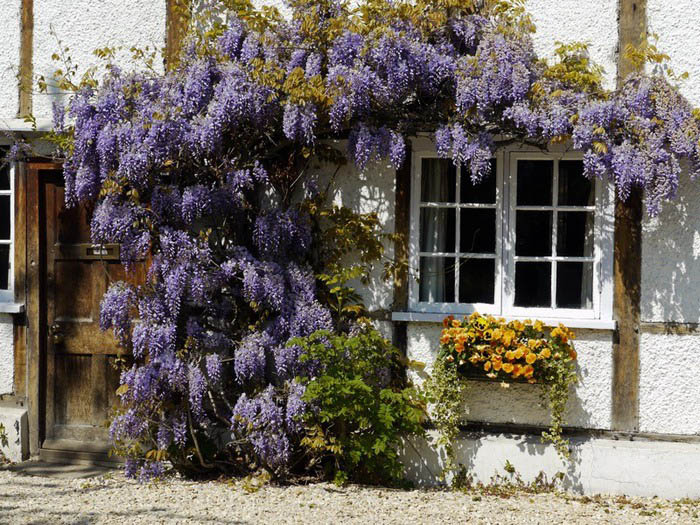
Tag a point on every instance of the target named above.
point(437, 229)
point(533, 233)
point(437, 279)
point(535, 182)
point(5, 217)
point(575, 285)
point(478, 231)
point(4, 175)
point(533, 284)
point(575, 234)
point(4, 266)
point(483, 192)
point(438, 181)
point(574, 188)
point(476, 280)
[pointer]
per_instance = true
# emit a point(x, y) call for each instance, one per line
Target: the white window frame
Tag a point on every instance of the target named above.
point(600, 316)
point(8, 296)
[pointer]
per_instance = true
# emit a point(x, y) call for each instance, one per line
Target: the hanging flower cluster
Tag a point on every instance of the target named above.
point(196, 171)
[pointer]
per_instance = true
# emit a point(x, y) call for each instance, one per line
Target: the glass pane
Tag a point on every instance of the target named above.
point(478, 231)
point(477, 279)
point(5, 217)
point(535, 182)
point(483, 192)
point(533, 233)
point(575, 233)
point(4, 266)
point(575, 285)
point(438, 180)
point(574, 188)
point(437, 279)
point(437, 229)
point(4, 175)
point(533, 284)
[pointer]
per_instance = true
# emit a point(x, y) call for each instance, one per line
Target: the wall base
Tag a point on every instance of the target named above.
point(597, 466)
point(16, 426)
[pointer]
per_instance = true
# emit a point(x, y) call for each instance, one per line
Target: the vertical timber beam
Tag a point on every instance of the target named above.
point(627, 274)
point(176, 21)
point(26, 53)
point(402, 217)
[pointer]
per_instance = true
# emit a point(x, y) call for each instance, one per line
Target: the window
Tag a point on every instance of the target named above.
point(6, 231)
point(534, 239)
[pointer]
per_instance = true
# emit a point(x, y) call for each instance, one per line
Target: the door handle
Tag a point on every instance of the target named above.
point(56, 333)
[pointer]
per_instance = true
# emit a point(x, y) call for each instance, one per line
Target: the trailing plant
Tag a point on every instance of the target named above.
point(202, 170)
point(362, 410)
point(484, 346)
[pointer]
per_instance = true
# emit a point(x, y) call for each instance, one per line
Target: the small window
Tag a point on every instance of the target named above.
point(525, 241)
point(6, 230)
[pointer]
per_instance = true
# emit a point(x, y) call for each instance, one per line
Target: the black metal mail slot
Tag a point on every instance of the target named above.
point(108, 252)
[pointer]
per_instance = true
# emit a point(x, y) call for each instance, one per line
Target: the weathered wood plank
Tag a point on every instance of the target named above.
point(176, 21)
point(26, 54)
point(627, 273)
point(402, 218)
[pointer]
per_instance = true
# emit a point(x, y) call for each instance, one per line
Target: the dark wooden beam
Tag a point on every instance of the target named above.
point(26, 53)
point(402, 218)
point(627, 273)
point(177, 17)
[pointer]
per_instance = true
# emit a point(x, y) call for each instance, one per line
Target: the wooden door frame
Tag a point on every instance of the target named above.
point(34, 214)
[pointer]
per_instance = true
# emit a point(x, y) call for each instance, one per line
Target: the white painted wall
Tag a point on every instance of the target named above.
point(9, 59)
point(575, 21)
point(84, 25)
point(7, 361)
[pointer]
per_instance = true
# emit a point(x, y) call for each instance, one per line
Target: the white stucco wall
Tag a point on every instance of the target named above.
point(575, 21)
point(9, 58)
point(84, 25)
point(7, 361)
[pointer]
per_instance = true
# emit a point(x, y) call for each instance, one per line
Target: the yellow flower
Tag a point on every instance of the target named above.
point(497, 364)
point(510, 355)
point(539, 326)
point(507, 368)
point(530, 358)
point(546, 353)
point(508, 337)
point(532, 344)
point(519, 353)
point(487, 366)
point(496, 334)
point(474, 359)
point(456, 323)
point(518, 326)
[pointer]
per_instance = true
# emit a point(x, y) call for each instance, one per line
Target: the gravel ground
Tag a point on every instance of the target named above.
point(113, 499)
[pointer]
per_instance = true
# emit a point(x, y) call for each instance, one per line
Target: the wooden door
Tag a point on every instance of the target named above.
point(81, 360)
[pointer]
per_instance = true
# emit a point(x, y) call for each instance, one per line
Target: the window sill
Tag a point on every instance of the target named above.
point(422, 317)
point(11, 308)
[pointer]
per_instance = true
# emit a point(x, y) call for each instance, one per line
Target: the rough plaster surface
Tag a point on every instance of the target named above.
point(589, 403)
point(677, 24)
point(633, 468)
point(84, 25)
point(9, 58)
point(573, 20)
point(367, 191)
point(671, 259)
point(7, 361)
point(15, 422)
point(669, 390)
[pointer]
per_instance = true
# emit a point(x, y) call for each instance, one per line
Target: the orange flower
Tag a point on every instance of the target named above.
point(445, 339)
point(456, 323)
point(530, 358)
point(572, 353)
point(487, 366)
point(528, 371)
point(447, 320)
point(507, 368)
point(517, 370)
point(459, 348)
point(497, 364)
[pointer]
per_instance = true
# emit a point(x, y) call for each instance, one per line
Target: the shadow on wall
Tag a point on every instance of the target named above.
point(671, 259)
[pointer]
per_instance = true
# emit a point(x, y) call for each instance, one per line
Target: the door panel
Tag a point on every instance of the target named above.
point(81, 372)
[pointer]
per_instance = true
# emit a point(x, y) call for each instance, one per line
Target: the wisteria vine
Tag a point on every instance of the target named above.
point(197, 171)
